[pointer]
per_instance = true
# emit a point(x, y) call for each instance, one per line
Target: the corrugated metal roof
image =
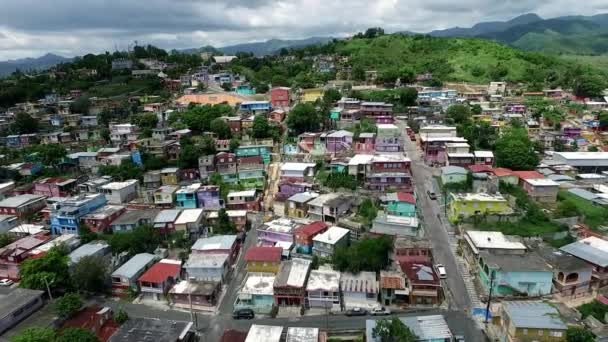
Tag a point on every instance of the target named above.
point(130, 268)
point(534, 315)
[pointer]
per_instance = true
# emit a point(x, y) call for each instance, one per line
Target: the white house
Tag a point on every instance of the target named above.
point(120, 192)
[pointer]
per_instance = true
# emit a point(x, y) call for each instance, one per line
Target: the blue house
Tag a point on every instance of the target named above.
point(13, 141)
point(185, 198)
point(257, 293)
point(515, 274)
point(254, 150)
point(255, 107)
point(400, 204)
point(244, 89)
point(57, 121)
point(66, 215)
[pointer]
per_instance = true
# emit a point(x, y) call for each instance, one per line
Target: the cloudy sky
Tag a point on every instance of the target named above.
point(30, 28)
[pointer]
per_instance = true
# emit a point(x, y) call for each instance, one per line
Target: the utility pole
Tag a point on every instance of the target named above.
point(192, 315)
point(48, 288)
point(489, 297)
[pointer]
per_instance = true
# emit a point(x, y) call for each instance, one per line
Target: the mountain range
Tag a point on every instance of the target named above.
point(25, 64)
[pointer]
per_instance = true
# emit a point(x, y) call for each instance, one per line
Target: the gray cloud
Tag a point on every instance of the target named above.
point(33, 27)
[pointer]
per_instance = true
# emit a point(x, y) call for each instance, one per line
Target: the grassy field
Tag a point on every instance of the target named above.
point(600, 62)
point(595, 309)
point(593, 215)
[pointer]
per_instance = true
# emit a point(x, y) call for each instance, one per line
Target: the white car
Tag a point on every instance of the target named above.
point(381, 311)
point(6, 282)
point(441, 271)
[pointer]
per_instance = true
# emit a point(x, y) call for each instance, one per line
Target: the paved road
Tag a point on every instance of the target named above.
point(435, 229)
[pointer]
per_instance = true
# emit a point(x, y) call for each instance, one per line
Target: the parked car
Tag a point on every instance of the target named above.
point(441, 271)
point(431, 195)
point(356, 312)
point(243, 313)
point(381, 311)
point(6, 282)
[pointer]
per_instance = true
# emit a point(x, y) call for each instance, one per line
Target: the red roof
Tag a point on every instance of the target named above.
point(161, 271)
point(502, 172)
point(406, 197)
point(528, 174)
point(391, 282)
point(313, 228)
point(259, 253)
point(233, 336)
point(88, 319)
point(419, 272)
point(475, 168)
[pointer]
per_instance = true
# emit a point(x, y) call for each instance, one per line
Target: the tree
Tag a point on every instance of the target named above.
point(369, 254)
point(303, 118)
point(221, 128)
point(188, 156)
point(358, 74)
point(121, 317)
point(67, 305)
point(592, 148)
point(331, 96)
point(389, 76)
point(367, 210)
point(407, 96)
point(51, 269)
point(35, 334)
point(81, 105)
point(515, 151)
point(90, 274)
point(226, 86)
point(24, 124)
point(574, 334)
point(393, 330)
point(567, 208)
point(261, 128)
point(459, 113)
point(476, 109)
point(145, 120)
point(77, 335)
point(207, 146)
point(126, 170)
point(6, 239)
point(406, 75)
point(223, 224)
point(50, 154)
point(588, 85)
point(340, 180)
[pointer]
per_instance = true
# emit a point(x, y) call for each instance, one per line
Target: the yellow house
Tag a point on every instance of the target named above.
point(263, 259)
point(532, 321)
point(311, 95)
point(168, 176)
point(463, 206)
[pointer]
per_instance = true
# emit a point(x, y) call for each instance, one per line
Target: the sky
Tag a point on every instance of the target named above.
point(31, 28)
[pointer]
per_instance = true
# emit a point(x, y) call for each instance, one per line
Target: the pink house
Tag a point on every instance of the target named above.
point(365, 143)
point(12, 255)
point(280, 97)
point(54, 187)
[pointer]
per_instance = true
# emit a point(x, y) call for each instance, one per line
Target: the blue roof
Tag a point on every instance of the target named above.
point(130, 268)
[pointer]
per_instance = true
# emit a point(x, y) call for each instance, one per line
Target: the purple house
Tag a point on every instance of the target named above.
point(209, 198)
point(288, 189)
point(277, 231)
point(365, 143)
point(338, 141)
point(572, 132)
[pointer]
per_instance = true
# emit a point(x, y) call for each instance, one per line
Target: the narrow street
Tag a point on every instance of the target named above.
point(438, 231)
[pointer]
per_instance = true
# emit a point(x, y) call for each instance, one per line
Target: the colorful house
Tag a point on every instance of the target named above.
point(297, 172)
point(263, 259)
point(99, 221)
point(288, 189)
point(186, 197)
point(365, 143)
point(66, 215)
point(532, 321)
point(257, 293)
point(339, 141)
point(277, 231)
point(388, 138)
point(244, 200)
point(244, 89)
point(226, 166)
point(209, 198)
point(297, 204)
point(168, 176)
point(305, 234)
point(311, 95)
point(255, 107)
point(463, 206)
point(280, 97)
point(453, 175)
point(400, 204)
point(290, 283)
point(254, 150)
point(125, 277)
point(54, 187)
point(388, 172)
point(156, 281)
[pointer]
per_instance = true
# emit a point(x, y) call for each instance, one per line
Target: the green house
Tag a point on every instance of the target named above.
point(400, 204)
point(254, 150)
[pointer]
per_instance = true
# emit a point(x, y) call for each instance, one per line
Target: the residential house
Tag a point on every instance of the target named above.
point(86, 161)
point(121, 192)
point(124, 279)
point(399, 204)
point(54, 187)
point(594, 251)
point(168, 176)
point(365, 143)
point(280, 97)
point(251, 172)
point(506, 175)
point(164, 222)
point(244, 89)
point(99, 221)
point(297, 172)
point(208, 267)
point(209, 198)
point(227, 166)
point(514, 274)
point(185, 197)
point(121, 134)
point(198, 295)
point(22, 205)
point(290, 282)
point(339, 141)
point(453, 175)
point(311, 95)
point(484, 158)
point(65, 216)
point(18, 304)
point(434, 147)
point(388, 172)
point(532, 321)
point(423, 284)
point(257, 293)
point(392, 288)
point(132, 219)
point(323, 289)
point(378, 111)
point(218, 244)
point(463, 206)
point(277, 232)
point(206, 166)
point(121, 64)
point(255, 107)
point(594, 162)
point(263, 259)
point(255, 150)
point(329, 207)
point(388, 138)
point(99, 249)
point(571, 275)
point(411, 249)
point(237, 217)
point(7, 222)
point(359, 290)
point(277, 115)
point(250, 200)
point(305, 234)
point(298, 334)
point(541, 189)
point(297, 206)
point(156, 281)
point(191, 222)
point(430, 328)
point(326, 243)
point(396, 226)
point(493, 242)
point(288, 189)
point(140, 329)
point(13, 254)
point(164, 196)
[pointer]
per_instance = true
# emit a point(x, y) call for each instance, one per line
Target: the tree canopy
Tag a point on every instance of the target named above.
point(68, 304)
point(52, 268)
point(90, 274)
point(393, 330)
point(303, 118)
point(221, 128)
point(223, 224)
point(24, 124)
point(369, 254)
point(515, 150)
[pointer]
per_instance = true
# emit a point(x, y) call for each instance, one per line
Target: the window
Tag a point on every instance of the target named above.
point(540, 333)
point(525, 331)
point(555, 333)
